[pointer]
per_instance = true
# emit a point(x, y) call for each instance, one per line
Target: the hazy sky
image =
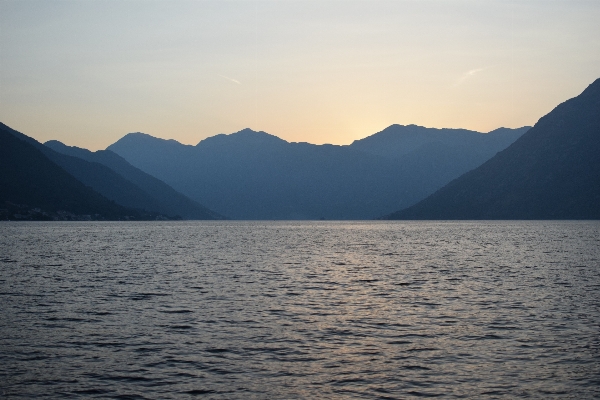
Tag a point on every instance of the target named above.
point(88, 72)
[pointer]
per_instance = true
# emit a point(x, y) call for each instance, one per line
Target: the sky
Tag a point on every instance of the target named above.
point(88, 72)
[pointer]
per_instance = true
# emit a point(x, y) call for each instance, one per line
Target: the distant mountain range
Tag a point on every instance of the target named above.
point(551, 172)
point(255, 175)
point(105, 174)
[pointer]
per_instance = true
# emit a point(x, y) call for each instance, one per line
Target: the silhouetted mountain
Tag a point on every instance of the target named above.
point(254, 175)
point(397, 141)
point(99, 177)
point(551, 172)
point(169, 201)
point(433, 157)
point(33, 187)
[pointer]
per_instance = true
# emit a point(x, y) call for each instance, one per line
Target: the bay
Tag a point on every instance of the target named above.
point(281, 309)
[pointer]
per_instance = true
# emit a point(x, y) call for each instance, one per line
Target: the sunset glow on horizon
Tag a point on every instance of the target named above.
point(87, 73)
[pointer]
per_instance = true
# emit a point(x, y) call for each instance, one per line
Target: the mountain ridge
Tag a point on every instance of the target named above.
point(168, 201)
point(551, 172)
point(32, 187)
point(100, 178)
point(290, 180)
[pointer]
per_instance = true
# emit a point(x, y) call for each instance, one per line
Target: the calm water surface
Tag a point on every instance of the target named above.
point(243, 310)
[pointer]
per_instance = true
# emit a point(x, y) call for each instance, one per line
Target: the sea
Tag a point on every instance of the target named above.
point(300, 310)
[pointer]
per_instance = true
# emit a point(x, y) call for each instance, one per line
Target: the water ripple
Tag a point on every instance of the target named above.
point(253, 310)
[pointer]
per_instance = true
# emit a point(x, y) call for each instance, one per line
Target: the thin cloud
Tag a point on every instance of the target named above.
point(467, 75)
point(231, 79)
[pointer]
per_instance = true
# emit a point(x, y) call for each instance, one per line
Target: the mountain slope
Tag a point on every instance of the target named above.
point(551, 172)
point(99, 177)
point(397, 141)
point(255, 175)
point(169, 201)
point(29, 179)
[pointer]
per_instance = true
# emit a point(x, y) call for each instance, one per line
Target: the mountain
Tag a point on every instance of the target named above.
point(255, 175)
point(167, 200)
point(101, 178)
point(33, 187)
point(434, 157)
point(398, 141)
point(551, 172)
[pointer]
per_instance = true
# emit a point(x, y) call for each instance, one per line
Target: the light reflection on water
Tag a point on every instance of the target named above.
point(300, 309)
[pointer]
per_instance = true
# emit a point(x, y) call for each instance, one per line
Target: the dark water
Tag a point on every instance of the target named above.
point(243, 310)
